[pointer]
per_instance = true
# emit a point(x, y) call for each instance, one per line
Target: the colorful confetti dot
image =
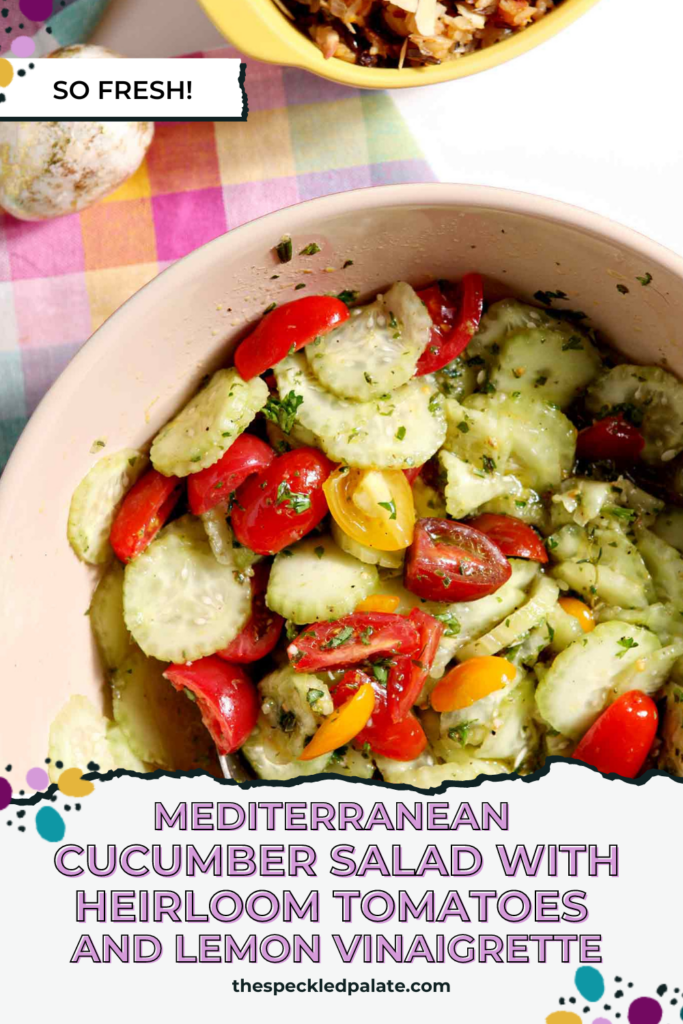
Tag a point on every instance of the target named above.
point(601, 1020)
point(563, 1017)
point(36, 10)
point(645, 1011)
point(590, 983)
point(5, 793)
point(23, 46)
point(71, 783)
point(50, 824)
point(37, 778)
point(6, 72)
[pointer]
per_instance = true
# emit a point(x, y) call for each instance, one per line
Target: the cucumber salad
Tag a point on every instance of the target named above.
point(419, 539)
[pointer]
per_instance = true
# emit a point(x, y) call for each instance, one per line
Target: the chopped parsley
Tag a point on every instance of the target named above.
point(284, 249)
point(287, 721)
point(190, 695)
point(574, 343)
point(366, 634)
point(488, 463)
point(390, 506)
point(310, 250)
point(450, 622)
point(645, 280)
point(348, 297)
point(319, 551)
point(628, 514)
point(297, 502)
point(340, 637)
point(347, 263)
point(283, 410)
point(434, 403)
point(291, 630)
point(627, 643)
point(368, 378)
point(461, 732)
point(400, 433)
point(463, 427)
point(298, 286)
point(380, 670)
point(314, 695)
point(547, 297)
point(540, 380)
point(270, 308)
point(623, 289)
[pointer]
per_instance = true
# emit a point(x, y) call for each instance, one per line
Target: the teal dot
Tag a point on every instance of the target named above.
point(590, 983)
point(50, 824)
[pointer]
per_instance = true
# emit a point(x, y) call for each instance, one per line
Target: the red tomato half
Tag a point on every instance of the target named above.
point(611, 438)
point(622, 737)
point(351, 639)
point(456, 321)
point(227, 699)
point(144, 511)
point(246, 455)
point(282, 503)
point(514, 538)
point(408, 673)
point(411, 475)
point(450, 561)
point(401, 741)
point(262, 631)
point(286, 329)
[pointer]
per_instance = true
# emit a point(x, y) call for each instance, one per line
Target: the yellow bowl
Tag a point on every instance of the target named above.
point(259, 29)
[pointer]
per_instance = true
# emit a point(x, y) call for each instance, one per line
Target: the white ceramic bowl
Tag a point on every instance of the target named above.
point(149, 356)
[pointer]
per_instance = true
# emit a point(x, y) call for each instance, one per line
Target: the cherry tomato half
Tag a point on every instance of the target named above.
point(622, 737)
point(401, 741)
point(263, 628)
point(227, 698)
point(351, 639)
point(411, 475)
point(345, 722)
point(373, 506)
point(471, 681)
point(408, 672)
point(514, 538)
point(283, 503)
point(610, 438)
point(208, 488)
point(144, 511)
point(451, 561)
point(286, 329)
point(455, 322)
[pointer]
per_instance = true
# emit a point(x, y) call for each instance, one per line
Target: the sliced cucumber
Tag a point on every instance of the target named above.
point(209, 423)
point(655, 394)
point(579, 500)
point(370, 556)
point(179, 602)
point(649, 673)
point(294, 705)
point(598, 583)
point(669, 527)
point(404, 429)
point(96, 500)
point(78, 737)
point(226, 549)
point(351, 762)
point(106, 618)
point(564, 629)
point(376, 350)
point(542, 598)
point(469, 486)
point(527, 506)
point(503, 732)
point(315, 580)
point(121, 752)
point(576, 687)
point(267, 760)
point(555, 363)
point(463, 769)
point(665, 565)
point(161, 726)
point(500, 320)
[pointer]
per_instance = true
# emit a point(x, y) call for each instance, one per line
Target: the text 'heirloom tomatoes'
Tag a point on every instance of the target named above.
point(456, 321)
point(263, 628)
point(227, 698)
point(622, 737)
point(208, 488)
point(401, 741)
point(351, 639)
point(514, 538)
point(144, 511)
point(286, 329)
point(283, 503)
point(451, 561)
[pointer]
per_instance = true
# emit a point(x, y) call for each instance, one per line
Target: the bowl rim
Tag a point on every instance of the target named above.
point(261, 31)
point(274, 224)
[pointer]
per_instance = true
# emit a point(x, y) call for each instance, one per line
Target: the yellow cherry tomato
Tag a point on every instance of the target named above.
point(372, 506)
point(379, 603)
point(580, 611)
point(471, 681)
point(342, 725)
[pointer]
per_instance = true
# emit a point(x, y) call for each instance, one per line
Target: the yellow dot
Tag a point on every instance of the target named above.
point(71, 784)
point(6, 72)
point(563, 1017)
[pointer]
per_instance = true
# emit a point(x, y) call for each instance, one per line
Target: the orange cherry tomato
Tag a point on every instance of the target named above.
point(379, 603)
point(471, 681)
point(373, 506)
point(580, 611)
point(343, 724)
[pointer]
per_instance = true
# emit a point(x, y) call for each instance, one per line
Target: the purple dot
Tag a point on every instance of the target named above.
point(602, 1020)
point(23, 46)
point(645, 1011)
point(5, 793)
point(37, 778)
point(36, 10)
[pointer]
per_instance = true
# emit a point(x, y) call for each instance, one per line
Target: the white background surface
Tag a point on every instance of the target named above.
point(591, 117)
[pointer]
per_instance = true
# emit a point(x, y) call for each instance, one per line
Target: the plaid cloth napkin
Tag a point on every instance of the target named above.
point(60, 279)
point(49, 23)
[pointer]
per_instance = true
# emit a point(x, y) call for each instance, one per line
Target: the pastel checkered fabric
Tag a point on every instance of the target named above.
point(59, 280)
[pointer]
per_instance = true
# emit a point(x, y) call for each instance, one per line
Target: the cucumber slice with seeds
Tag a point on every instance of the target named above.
point(106, 618)
point(78, 737)
point(161, 726)
point(262, 753)
point(554, 363)
point(315, 580)
point(403, 429)
point(370, 556)
point(180, 604)
point(462, 768)
point(96, 500)
point(469, 486)
point(542, 599)
point(376, 350)
point(203, 431)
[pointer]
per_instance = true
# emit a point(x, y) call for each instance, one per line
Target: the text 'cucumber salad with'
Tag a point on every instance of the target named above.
point(420, 540)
